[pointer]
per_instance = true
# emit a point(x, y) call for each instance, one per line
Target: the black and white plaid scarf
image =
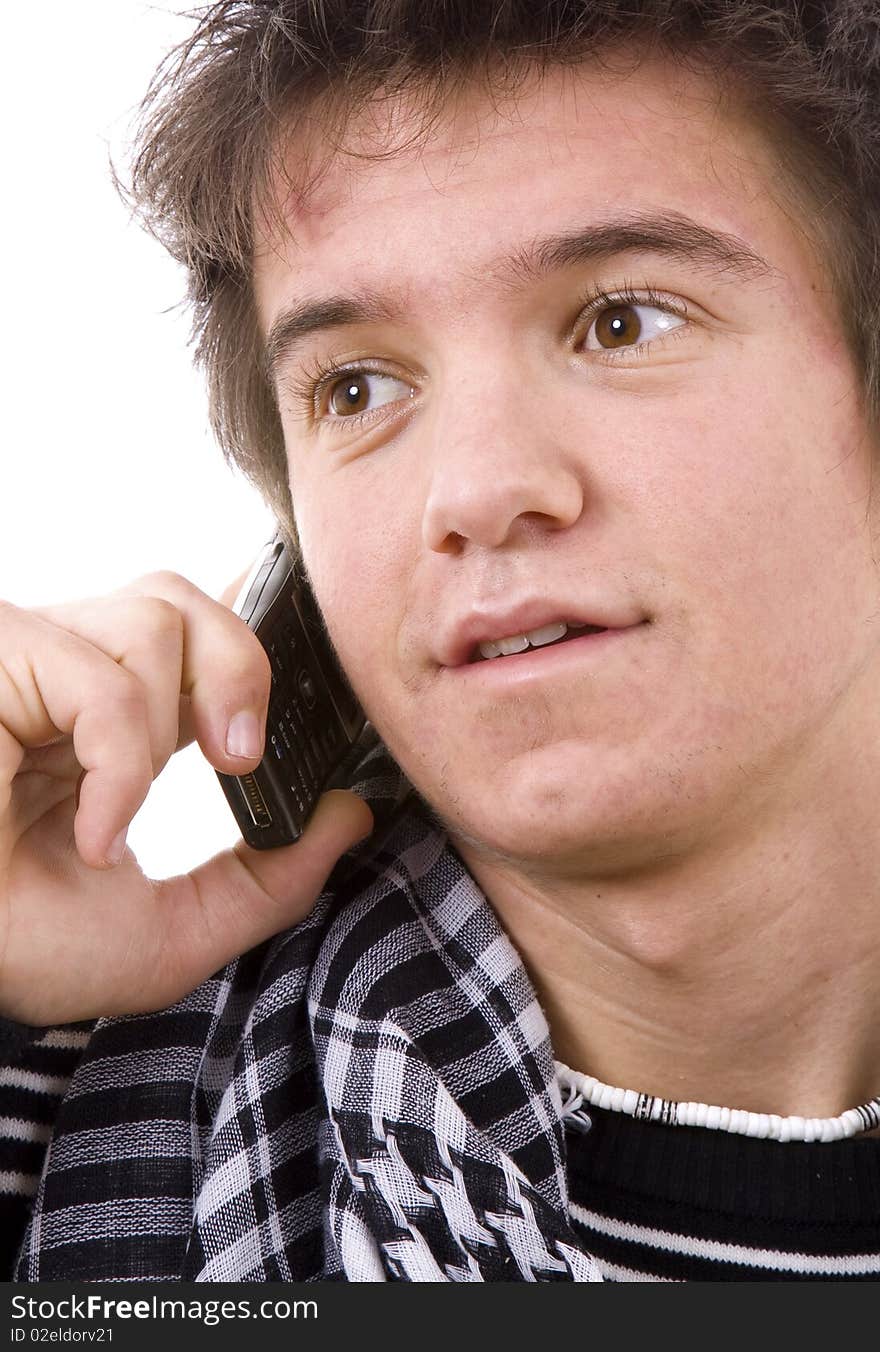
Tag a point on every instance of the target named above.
point(370, 1096)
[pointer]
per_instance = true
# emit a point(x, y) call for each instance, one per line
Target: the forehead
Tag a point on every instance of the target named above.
point(571, 146)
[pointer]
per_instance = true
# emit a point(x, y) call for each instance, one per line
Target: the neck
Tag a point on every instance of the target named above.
point(745, 974)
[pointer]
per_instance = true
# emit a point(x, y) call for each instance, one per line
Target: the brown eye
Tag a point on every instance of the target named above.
point(618, 327)
point(350, 395)
point(630, 325)
point(363, 391)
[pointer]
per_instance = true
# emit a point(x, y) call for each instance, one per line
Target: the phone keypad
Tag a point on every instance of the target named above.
point(313, 718)
point(307, 754)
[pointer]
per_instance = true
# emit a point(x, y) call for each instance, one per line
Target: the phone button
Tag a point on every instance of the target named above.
point(310, 764)
point(276, 657)
point(307, 689)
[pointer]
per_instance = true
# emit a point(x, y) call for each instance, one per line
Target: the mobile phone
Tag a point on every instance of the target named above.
point(314, 719)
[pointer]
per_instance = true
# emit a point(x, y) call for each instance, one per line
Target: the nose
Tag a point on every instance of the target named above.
point(491, 472)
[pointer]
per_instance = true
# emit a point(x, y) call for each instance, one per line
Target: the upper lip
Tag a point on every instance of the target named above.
point(484, 625)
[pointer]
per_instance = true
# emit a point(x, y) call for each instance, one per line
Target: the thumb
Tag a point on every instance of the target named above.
point(243, 896)
point(293, 872)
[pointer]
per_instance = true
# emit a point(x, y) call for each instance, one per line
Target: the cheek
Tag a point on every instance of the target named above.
point(759, 522)
point(769, 486)
point(354, 553)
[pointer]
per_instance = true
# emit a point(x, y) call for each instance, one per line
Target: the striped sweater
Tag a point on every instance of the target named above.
point(652, 1202)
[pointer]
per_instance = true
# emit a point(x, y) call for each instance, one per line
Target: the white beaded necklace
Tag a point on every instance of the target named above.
point(765, 1126)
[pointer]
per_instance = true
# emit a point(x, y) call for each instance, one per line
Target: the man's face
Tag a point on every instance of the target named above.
point(531, 413)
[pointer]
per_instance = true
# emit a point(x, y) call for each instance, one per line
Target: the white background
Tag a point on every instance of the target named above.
point(109, 470)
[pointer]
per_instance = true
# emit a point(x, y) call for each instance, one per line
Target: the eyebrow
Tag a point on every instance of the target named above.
point(669, 234)
point(298, 322)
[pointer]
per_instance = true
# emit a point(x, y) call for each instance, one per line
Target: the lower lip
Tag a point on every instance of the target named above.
point(520, 669)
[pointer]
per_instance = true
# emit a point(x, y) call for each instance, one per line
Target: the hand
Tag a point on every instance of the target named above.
point(95, 697)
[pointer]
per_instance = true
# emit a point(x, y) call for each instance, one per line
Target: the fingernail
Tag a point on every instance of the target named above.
point(116, 848)
point(244, 736)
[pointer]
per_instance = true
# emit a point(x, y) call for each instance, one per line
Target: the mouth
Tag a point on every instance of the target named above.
point(585, 648)
point(504, 649)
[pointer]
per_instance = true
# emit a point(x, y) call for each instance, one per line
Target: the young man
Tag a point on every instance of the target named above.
point(553, 341)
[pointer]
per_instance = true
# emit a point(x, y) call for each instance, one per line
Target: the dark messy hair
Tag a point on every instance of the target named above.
point(808, 69)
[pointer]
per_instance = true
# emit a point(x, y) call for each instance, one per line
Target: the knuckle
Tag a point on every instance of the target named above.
point(160, 619)
point(164, 579)
point(262, 664)
point(164, 742)
point(248, 684)
point(252, 665)
point(124, 692)
point(260, 670)
point(161, 754)
point(158, 585)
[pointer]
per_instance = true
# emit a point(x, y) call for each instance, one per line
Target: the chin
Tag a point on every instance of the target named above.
point(591, 810)
point(563, 831)
point(573, 805)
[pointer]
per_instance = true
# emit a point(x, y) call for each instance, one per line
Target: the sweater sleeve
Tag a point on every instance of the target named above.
point(36, 1065)
point(14, 1038)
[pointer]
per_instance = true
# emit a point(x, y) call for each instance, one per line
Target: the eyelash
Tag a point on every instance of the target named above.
point(315, 380)
point(309, 387)
point(595, 302)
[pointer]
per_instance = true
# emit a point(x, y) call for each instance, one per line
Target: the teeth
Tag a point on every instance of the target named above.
point(548, 634)
point(506, 646)
point(517, 643)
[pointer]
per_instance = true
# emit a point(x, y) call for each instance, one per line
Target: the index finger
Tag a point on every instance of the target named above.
point(226, 672)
